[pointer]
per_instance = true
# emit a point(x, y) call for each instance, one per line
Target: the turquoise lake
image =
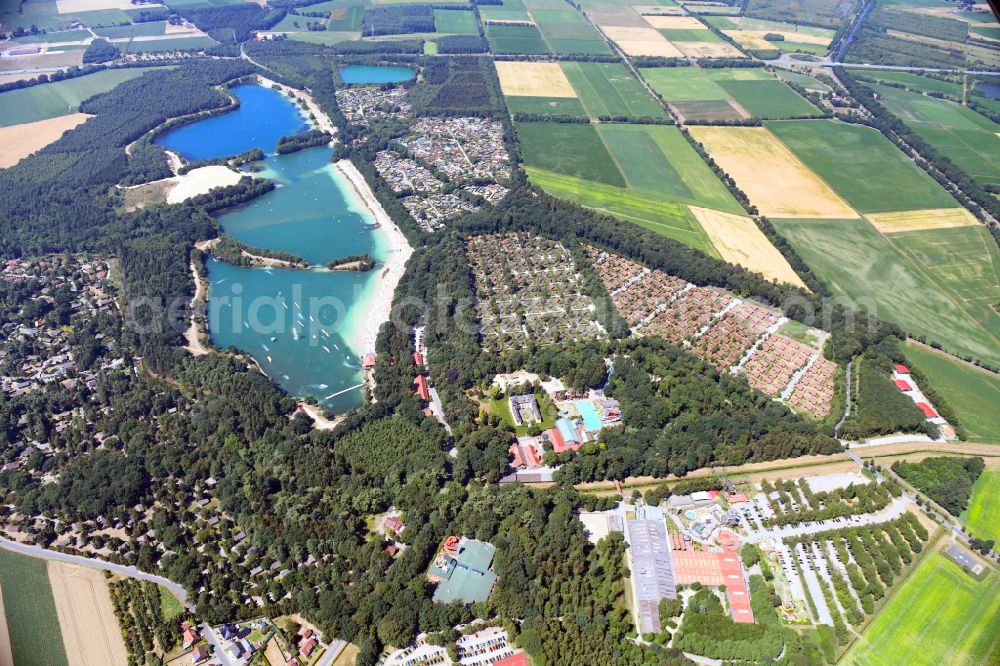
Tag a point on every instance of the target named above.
point(375, 74)
point(301, 326)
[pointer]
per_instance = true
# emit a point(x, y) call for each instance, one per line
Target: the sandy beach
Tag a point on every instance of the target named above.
point(390, 271)
point(201, 181)
point(321, 120)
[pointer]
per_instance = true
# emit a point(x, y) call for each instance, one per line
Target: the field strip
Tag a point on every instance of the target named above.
point(919, 220)
point(641, 41)
point(740, 241)
point(675, 22)
point(19, 141)
point(6, 653)
point(89, 627)
point(533, 79)
point(774, 179)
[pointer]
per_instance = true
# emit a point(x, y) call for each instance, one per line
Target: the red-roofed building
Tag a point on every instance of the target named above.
point(525, 456)
point(307, 647)
point(558, 443)
point(420, 386)
point(199, 654)
point(902, 369)
point(368, 361)
point(927, 410)
point(738, 498)
point(714, 494)
point(520, 659)
point(903, 385)
point(394, 523)
point(418, 358)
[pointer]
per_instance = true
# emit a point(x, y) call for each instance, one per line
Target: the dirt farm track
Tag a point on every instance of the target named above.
point(86, 616)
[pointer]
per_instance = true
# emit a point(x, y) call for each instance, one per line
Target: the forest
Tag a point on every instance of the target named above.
point(946, 480)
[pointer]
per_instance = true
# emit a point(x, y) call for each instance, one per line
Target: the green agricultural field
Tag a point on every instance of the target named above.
point(988, 31)
point(682, 84)
point(510, 39)
point(769, 99)
point(567, 31)
point(940, 616)
point(148, 29)
point(178, 44)
point(747, 23)
point(325, 37)
point(571, 149)
point(857, 262)
point(554, 106)
point(967, 138)
point(689, 35)
point(646, 209)
point(345, 19)
point(31, 611)
point(57, 37)
point(50, 100)
point(455, 21)
point(973, 393)
point(657, 159)
point(983, 515)
point(802, 80)
point(915, 81)
point(862, 166)
point(608, 89)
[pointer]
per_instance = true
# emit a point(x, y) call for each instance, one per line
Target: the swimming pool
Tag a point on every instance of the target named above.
point(589, 414)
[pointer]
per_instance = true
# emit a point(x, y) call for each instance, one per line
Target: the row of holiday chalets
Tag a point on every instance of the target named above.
point(45, 304)
point(443, 167)
point(732, 334)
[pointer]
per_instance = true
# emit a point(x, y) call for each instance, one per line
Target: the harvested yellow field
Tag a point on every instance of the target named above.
point(918, 220)
point(708, 49)
point(19, 141)
point(74, 6)
point(776, 181)
point(86, 616)
point(740, 241)
point(675, 23)
point(749, 39)
point(641, 41)
point(533, 79)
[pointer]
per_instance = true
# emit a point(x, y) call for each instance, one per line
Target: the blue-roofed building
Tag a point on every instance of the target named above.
point(462, 571)
point(567, 429)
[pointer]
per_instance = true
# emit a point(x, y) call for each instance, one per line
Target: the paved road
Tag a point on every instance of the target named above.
point(332, 652)
point(213, 639)
point(45, 554)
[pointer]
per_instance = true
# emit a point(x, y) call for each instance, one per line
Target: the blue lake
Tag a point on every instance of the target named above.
point(991, 90)
point(262, 118)
point(376, 74)
point(303, 327)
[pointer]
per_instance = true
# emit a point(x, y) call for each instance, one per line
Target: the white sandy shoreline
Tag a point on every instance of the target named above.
point(390, 271)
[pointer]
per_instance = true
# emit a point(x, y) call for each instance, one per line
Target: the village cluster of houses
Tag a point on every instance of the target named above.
point(734, 335)
point(363, 104)
point(35, 351)
point(528, 291)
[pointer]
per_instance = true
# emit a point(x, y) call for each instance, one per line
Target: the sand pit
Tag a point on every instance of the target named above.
point(19, 141)
point(741, 242)
point(675, 22)
point(200, 181)
point(708, 49)
point(74, 6)
point(533, 79)
point(641, 41)
point(86, 616)
point(776, 181)
point(919, 220)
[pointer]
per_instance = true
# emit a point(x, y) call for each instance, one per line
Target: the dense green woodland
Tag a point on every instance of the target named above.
point(305, 495)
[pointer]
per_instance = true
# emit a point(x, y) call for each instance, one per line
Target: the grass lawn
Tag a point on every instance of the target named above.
point(983, 515)
point(972, 392)
point(608, 89)
point(554, 106)
point(455, 21)
point(940, 616)
point(169, 605)
point(147, 29)
point(862, 166)
point(967, 138)
point(857, 262)
point(769, 99)
point(35, 637)
point(803, 80)
point(50, 100)
point(568, 148)
point(657, 159)
point(646, 209)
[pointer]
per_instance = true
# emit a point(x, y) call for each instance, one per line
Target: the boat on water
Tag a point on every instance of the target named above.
point(295, 334)
point(327, 349)
point(268, 359)
point(274, 338)
point(265, 348)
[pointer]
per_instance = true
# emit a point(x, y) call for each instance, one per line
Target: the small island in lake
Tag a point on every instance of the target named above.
point(354, 262)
